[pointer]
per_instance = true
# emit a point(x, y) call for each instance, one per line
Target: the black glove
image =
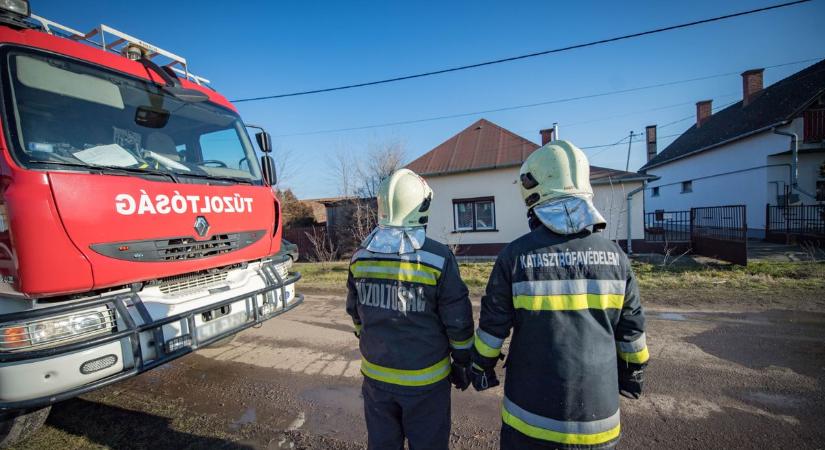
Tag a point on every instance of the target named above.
point(484, 378)
point(460, 375)
point(631, 379)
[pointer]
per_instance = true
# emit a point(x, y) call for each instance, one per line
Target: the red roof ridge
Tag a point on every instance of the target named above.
point(461, 152)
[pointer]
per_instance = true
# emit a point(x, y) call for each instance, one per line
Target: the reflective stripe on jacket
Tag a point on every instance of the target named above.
point(573, 305)
point(410, 312)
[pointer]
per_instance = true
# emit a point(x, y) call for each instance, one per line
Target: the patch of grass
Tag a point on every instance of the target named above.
point(323, 276)
point(762, 275)
point(757, 276)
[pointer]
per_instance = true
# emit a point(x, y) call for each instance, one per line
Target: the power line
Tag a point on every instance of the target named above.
point(717, 108)
point(622, 141)
point(525, 56)
point(532, 105)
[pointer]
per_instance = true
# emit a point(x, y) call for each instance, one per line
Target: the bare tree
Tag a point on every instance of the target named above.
point(364, 219)
point(359, 175)
point(342, 171)
point(382, 160)
point(324, 250)
point(285, 166)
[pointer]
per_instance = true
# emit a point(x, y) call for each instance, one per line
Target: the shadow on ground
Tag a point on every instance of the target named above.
point(787, 339)
point(145, 431)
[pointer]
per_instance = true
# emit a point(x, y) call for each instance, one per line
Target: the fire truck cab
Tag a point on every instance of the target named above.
point(137, 223)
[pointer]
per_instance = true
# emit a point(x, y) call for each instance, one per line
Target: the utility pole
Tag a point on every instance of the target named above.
point(629, 144)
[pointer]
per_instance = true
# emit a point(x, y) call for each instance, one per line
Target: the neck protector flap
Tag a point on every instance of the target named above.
point(396, 240)
point(569, 215)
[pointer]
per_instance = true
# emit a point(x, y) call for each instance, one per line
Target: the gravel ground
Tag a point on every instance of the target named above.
point(746, 372)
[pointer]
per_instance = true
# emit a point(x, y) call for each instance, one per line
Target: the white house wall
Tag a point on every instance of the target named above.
point(733, 174)
point(611, 201)
point(808, 172)
point(511, 214)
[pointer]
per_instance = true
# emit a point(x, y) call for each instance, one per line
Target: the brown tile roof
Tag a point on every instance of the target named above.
point(482, 145)
point(485, 145)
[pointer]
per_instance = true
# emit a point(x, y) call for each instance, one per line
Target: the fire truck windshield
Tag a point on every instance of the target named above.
point(64, 112)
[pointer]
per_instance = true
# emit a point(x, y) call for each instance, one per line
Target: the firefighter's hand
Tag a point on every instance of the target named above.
point(483, 379)
point(631, 380)
point(460, 375)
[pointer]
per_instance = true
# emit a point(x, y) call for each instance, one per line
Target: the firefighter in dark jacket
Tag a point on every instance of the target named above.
point(413, 317)
point(572, 301)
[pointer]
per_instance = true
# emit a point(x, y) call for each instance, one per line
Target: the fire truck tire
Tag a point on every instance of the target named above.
point(15, 427)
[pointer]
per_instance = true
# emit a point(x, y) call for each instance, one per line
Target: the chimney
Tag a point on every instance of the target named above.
point(650, 134)
point(751, 85)
point(704, 109)
point(547, 135)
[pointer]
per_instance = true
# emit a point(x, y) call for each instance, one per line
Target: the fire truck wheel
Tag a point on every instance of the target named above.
point(17, 426)
point(224, 341)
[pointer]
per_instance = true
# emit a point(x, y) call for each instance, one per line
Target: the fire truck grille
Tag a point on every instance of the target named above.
point(187, 248)
point(174, 285)
point(179, 248)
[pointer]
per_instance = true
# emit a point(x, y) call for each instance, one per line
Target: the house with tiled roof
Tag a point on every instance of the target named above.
point(767, 149)
point(477, 204)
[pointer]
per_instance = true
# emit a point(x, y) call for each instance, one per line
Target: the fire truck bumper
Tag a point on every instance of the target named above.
point(148, 328)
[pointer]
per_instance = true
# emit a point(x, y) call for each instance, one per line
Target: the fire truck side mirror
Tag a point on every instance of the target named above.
point(264, 141)
point(268, 170)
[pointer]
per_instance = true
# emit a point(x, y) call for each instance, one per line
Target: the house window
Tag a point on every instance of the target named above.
point(474, 214)
point(655, 191)
point(814, 125)
point(687, 186)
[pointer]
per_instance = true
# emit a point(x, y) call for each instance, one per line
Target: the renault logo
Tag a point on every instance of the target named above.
point(201, 226)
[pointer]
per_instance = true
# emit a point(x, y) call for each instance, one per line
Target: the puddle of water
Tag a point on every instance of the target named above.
point(671, 316)
point(248, 416)
point(345, 398)
point(334, 410)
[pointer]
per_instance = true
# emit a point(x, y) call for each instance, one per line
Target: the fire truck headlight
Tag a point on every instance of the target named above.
point(66, 327)
point(18, 7)
point(57, 330)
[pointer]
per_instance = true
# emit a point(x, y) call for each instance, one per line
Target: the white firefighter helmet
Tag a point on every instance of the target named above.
point(404, 200)
point(558, 169)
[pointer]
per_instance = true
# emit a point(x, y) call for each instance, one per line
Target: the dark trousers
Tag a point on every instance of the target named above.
point(512, 439)
point(423, 417)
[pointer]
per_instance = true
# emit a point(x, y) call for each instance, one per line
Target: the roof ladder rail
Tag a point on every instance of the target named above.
point(118, 43)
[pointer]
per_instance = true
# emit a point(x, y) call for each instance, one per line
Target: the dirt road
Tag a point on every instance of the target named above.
point(716, 380)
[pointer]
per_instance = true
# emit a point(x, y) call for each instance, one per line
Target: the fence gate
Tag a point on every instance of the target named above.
point(720, 232)
point(800, 223)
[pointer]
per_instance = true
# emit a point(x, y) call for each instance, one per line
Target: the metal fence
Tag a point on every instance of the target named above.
point(721, 222)
point(667, 226)
point(796, 219)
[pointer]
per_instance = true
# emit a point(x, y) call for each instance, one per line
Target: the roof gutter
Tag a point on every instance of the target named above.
point(794, 162)
point(611, 180)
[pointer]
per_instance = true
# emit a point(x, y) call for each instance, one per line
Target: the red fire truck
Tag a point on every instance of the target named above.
point(136, 223)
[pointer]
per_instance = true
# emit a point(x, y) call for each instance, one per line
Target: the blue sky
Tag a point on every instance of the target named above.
point(254, 48)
